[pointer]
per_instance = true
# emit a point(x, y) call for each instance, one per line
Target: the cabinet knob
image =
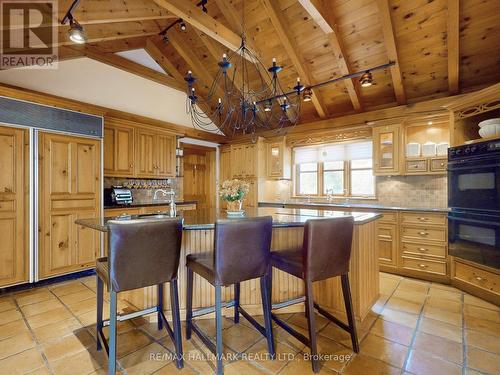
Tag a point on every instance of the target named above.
point(423, 218)
point(423, 249)
point(479, 278)
point(131, 165)
point(442, 164)
point(423, 233)
point(423, 265)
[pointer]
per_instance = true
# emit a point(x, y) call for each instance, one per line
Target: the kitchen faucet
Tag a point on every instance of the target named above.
point(173, 208)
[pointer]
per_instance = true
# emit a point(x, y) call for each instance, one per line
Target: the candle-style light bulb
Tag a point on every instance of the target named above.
point(220, 100)
point(190, 72)
point(274, 60)
point(224, 56)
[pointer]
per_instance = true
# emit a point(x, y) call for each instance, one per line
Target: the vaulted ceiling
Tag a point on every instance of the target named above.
point(441, 47)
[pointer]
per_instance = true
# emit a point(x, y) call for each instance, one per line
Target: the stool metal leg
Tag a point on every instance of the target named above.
point(174, 300)
point(346, 290)
point(311, 324)
point(112, 333)
point(237, 303)
point(189, 302)
point(218, 327)
point(266, 309)
point(160, 306)
point(100, 292)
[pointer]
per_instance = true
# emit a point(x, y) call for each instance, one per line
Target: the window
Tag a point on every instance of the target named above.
point(318, 173)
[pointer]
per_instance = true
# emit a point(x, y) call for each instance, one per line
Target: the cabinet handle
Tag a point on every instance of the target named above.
point(423, 218)
point(423, 249)
point(479, 278)
point(423, 265)
point(442, 164)
point(423, 233)
point(131, 165)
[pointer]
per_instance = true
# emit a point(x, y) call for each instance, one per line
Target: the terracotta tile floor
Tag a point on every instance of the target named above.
point(416, 327)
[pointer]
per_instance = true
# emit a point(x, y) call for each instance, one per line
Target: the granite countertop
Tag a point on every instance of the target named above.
point(147, 204)
point(202, 219)
point(372, 206)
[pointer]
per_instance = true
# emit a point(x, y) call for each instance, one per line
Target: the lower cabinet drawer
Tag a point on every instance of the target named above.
point(417, 165)
point(423, 233)
point(439, 165)
point(113, 212)
point(410, 248)
point(477, 277)
point(424, 265)
point(388, 217)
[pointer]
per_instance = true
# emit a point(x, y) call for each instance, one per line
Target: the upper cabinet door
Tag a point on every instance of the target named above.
point(274, 160)
point(386, 150)
point(118, 150)
point(146, 155)
point(165, 150)
point(13, 221)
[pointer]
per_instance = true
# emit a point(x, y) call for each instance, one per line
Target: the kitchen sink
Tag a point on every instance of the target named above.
point(154, 216)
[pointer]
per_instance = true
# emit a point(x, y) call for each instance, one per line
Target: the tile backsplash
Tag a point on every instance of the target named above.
point(145, 193)
point(413, 191)
point(403, 191)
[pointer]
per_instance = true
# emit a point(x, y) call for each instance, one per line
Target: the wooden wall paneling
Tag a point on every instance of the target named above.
point(70, 183)
point(453, 44)
point(14, 189)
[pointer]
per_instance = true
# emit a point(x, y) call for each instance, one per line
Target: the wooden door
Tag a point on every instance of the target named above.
point(14, 256)
point(70, 182)
point(118, 150)
point(386, 142)
point(146, 156)
point(165, 155)
point(195, 177)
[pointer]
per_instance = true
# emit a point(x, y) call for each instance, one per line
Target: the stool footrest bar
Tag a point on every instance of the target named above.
point(290, 302)
point(299, 336)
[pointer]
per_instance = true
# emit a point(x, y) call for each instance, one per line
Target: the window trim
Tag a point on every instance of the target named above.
point(320, 183)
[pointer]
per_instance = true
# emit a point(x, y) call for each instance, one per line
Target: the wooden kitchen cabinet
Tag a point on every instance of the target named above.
point(118, 149)
point(70, 188)
point(155, 154)
point(386, 150)
point(387, 239)
point(278, 159)
point(14, 258)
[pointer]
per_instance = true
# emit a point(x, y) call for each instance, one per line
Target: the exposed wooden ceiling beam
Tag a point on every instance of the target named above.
point(132, 67)
point(193, 15)
point(153, 48)
point(453, 35)
point(392, 53)
point(321, 13)
point(281, 26)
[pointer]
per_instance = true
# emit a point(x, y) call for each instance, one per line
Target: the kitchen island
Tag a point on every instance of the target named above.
point(288, 230)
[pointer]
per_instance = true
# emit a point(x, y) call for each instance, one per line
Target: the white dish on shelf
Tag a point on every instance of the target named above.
point(490, 121)
point(238, 213)
point(489, 130)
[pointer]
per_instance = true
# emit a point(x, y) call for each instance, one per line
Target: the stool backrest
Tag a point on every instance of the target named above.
point(326, 249)
point(242, 249)
point(143, 252)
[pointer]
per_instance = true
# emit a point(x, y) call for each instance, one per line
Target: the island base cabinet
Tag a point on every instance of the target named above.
point(70, 184)
point(14, 226)
point(364, 277)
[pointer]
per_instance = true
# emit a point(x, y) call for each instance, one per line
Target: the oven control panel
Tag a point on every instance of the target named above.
point(473, 150)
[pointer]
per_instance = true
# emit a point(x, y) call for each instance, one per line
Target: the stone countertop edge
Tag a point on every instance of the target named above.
point(357, 205)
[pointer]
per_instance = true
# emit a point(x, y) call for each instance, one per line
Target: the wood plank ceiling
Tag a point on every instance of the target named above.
point(442, 47)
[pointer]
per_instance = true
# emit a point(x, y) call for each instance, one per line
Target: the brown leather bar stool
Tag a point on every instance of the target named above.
point(141, 253)
point(241, 252)
point(325, 253)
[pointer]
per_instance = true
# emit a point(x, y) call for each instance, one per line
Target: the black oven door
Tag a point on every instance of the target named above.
point(474, 184)
point(474, 237)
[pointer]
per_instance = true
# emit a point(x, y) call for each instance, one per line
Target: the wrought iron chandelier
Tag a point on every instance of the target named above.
point(252, 95)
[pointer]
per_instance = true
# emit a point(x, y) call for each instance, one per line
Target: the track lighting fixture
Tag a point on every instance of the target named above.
point(76, 32)
point(182, 25)
point(366, 79)
point(165, 39)
point(307, 96)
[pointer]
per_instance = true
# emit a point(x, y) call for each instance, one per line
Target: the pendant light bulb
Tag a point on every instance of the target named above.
point(76, 32)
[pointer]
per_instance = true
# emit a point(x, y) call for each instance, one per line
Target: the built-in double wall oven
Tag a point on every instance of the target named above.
point(474, 202)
